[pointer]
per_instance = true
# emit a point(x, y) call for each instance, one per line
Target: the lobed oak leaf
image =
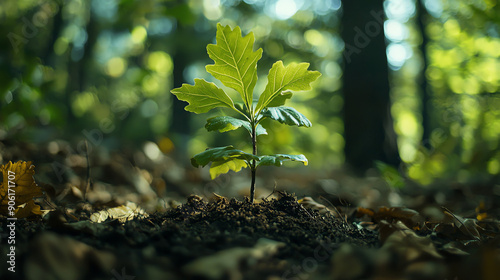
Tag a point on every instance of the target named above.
point(235, 61)
point(18, 185)
point(281, 80)
point(202, 96)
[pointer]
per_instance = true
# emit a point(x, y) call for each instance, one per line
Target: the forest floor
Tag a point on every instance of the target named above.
point(140, 215)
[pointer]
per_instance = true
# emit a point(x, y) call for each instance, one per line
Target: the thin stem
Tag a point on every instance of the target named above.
point(253, 167)
point(252, 187)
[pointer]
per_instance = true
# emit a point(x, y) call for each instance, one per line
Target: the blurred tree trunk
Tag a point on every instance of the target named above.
point(426, 100)
point(181, 119)
point(368, 127)
point(189, 47)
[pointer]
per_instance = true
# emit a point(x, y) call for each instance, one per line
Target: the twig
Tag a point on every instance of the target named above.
point(274, 190)
point(344, 219)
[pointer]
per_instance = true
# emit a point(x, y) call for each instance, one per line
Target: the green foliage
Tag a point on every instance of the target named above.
point(235, 62)
point(225, 123)
point(286, 115)
point(236, 67)
point(221, 154)
point(293, 77)
point(203, 96)
point(278, 159)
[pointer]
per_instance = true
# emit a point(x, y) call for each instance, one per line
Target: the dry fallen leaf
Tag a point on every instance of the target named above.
point(216, 197)
point(361, 211)
point(405, 243)
point(467, 226)
point(453, 248)
point(123, 213)
point(409, 217)
point(18, 185)
point(309, 203)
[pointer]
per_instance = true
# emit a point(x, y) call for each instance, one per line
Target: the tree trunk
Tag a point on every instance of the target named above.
point(368, 127)
point(424, 88)
point(189, 46)
point(181, 119)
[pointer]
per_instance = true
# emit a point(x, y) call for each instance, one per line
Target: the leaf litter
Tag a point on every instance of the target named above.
point(225, 238)
point(18, 183)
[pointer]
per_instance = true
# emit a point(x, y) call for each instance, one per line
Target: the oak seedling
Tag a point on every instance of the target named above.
point(236, 67)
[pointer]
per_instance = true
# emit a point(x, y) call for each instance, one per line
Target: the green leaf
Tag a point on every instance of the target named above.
point(222, 167)
point(260, 130)
point(203, 96)
point(280, 99)
point(286, 115)
point(225, 123)
point(235, 61)
point(223, 159)
point(239, 106)
point(220, 154)
point(278, 159)
point(293, 77)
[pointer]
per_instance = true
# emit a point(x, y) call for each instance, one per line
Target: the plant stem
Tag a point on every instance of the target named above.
point(252, 188)
point(253, 168)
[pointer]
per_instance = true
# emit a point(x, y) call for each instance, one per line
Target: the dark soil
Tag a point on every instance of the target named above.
point(198, 229)
point(276, 238)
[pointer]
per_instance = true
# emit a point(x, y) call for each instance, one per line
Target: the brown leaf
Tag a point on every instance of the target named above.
point(28, 209)
point(122, 213)
point(361, 211)
point(407, 245)
point(409, 217)
point(309, 203)
point(453, 248)
point(467, 226)
point(19, 184)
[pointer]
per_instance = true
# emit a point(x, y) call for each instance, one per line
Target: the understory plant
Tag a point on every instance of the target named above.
point(236, 67)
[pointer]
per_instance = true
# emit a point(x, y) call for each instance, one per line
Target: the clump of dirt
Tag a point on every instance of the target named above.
point(206, 227)
point(226, 234)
